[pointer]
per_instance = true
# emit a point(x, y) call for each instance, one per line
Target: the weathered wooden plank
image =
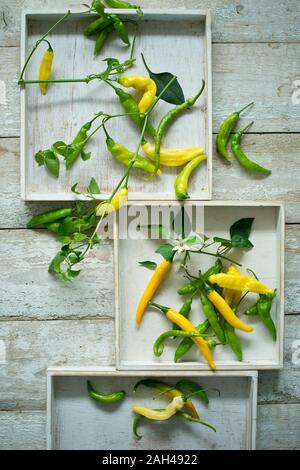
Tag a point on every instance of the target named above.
point(22, 430)
point(292, 294)
point(230, 182)
point(29, 347)
point(242, 21)
point(278, 427)
point(264, 73)
point(28, 291)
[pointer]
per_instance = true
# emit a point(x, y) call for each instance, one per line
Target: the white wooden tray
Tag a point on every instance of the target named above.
point(74, 421)
point(179, 42)
point(134, 345)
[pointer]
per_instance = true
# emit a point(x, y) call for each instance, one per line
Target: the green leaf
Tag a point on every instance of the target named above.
point(148, 264)
point(55, 264)
point(174, 93)
point(74, 189)
point(93, 187)
point(166, 250)
point(40, 158)
point(51, 162)
point(223, 241)
point(85, 155)
point(240, 231)
point(72, 273)
point(60, 147)
point(79, 237)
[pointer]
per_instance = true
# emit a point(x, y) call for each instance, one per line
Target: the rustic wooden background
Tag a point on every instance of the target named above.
point(256, 54)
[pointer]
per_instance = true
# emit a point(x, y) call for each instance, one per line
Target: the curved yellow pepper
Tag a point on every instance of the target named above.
point(173, 157)
point(141, 83)
point(240, 283)
point(45, 68)
point(119, 199)
point(161, 415)
point(158, 276)
point(232, 296)
point(229, 315)
point(186, 325)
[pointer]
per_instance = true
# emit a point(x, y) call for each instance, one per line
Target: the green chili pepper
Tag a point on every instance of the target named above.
point(120, 4)
point(233, 340)
point(241, 157)
point(264, 308)
point(187, 343)
point(99, 7)
point(158, 346)
point(185, 311)
point(48, 217)
point(77, 144)
point(97, 25)
point(123, 155)
point(120, 29)
point(101, 39)
point(195, 285)
point(211, 315)
point(185, 415)
point(100, 398)
point(182, 180)
point(193, 388)
point(224, 132)
point(135, 424)
point(168, 118)
point(53, 226)
point(211, 343)
point(131, 107)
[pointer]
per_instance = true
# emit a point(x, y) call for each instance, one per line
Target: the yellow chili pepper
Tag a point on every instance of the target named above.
point(158, 276)
point(232, 296)
point(173, 157)
point(240, 283)
point(226, 311)
point(45, 68)
point(144, 84)
point(119, 199)
point(186, 325)
point(161, 415)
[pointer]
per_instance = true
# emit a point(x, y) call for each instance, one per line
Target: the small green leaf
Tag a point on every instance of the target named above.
point(223, 241)
point(55, 264)
point(166, 250)
point(174, 93)
point(59, 147)
point(72, 273)
point(85, 155)
point(240, 242)
point(148, 264)
point(93, 187)
point(51, 162)
point(65, 240)
point(79, 237)
point(40, 158)
point(74, 189)
point(240, 231)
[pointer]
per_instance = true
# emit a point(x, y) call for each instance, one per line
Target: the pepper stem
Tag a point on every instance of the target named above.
point(246, 128)
point(105, 131)
point(245, 107)
point(193, 100)
point(162, 308)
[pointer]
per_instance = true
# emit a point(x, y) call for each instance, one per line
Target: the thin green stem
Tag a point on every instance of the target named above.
point(42, 39)
point(216, 255)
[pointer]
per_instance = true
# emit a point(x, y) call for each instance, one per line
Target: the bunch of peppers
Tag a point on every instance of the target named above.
point(181, 404)
point(220, 294)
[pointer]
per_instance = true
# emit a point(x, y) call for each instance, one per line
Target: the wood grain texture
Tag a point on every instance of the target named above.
point(25, 283)
point(233, 20)
point(263, 73)
point(22, 430)
point(278, 427)
point(230, 182)
point(32, 346)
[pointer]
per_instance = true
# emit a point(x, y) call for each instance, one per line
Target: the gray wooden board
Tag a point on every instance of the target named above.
point(243, 21)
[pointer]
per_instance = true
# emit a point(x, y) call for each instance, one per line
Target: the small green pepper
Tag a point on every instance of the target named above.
point(120, 4)
point(182, 180)
point(98, 6)
point(186, 344)
point(77, 144)
point(100, 398)
point(195, 285)
point(185, 311)
point(225, 130)
point(97, 25)
point(158, 346)
point(264, 308)
point(211, 315)
point(120, 29)
point(194, 388)
point(101, 39)
point(49, 217)
point(252, 310)
point(241, 157)
point(233, 340)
